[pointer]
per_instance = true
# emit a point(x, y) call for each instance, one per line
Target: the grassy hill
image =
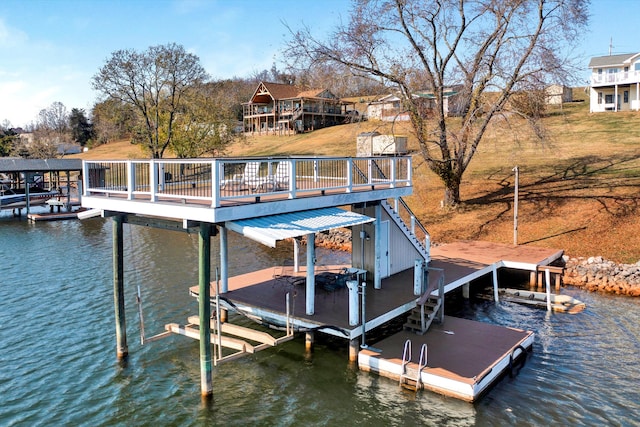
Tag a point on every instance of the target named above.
point(579, 189)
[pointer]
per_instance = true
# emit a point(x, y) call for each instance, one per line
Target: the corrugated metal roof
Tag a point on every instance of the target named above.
point(39, 165)
point(269, 229)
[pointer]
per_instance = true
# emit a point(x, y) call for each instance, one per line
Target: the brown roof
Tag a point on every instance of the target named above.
point(282, 91)
point(286, 91)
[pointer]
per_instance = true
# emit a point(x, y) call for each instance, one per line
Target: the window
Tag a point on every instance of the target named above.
point(608, 99)
point(625, 96)
point(599, 97)
point(637, 66)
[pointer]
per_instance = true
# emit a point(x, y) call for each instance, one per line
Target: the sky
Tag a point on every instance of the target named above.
point(50, 49)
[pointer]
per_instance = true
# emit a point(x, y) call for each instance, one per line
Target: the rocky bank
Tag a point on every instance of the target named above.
point(597, 274)
point(594, 274)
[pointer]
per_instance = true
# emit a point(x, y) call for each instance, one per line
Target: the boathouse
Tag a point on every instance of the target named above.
point(393, 271)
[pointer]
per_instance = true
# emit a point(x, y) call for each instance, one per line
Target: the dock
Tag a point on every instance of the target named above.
point(394, 272)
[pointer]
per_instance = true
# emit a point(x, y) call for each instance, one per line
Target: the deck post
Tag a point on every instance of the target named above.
point(309, 339)
point(311, 278)
point(377, 280)
point(495, 283)
point(296, 255)
point(354, 348)
point(122, 350)
point(224, 251)
point(465, 291)
point(204, 308)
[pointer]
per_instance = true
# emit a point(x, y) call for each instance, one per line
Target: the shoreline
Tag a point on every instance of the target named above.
point(593, 274)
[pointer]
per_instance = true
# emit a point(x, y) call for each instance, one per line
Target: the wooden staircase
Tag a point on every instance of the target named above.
point(423, 315)
point(430, 306)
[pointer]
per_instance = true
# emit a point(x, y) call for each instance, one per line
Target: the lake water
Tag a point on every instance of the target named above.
point(58, 362)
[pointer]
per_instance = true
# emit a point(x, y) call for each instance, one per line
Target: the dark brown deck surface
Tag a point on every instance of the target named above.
point(261, 289)
point(457, 348)
point(461, 259)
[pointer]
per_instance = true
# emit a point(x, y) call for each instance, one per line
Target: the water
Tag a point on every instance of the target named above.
point(58, 364)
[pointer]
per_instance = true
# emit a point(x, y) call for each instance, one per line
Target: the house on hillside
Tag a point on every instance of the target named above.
point(615, 83)
point(389, 107)
point(282, 108)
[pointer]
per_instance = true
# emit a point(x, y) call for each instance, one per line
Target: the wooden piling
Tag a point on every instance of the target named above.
point(204, 306)
point(354, 348)
point(122, 350)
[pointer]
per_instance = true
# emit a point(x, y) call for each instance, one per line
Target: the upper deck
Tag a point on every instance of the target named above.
point(226, 189)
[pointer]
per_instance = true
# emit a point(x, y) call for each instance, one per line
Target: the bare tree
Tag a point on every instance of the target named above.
point(476, 46)
point(156, 83)
point(206, 124)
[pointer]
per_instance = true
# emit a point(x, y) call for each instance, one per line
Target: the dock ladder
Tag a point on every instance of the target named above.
point(411, 378)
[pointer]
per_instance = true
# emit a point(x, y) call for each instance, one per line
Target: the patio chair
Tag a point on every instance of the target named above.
point(282, 174)
point(249, 177)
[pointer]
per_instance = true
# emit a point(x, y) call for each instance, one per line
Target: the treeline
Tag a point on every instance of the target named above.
point(163, 99)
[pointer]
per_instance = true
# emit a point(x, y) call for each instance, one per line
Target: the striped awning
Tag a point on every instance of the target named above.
point(269, 229)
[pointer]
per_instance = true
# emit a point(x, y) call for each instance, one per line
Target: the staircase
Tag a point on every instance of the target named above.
point(411, 227)
point(423, 315)
point(430, 306)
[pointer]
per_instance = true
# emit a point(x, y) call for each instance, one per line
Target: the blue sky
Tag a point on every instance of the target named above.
point(50, 49)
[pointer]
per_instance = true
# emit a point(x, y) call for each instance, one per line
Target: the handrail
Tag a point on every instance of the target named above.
point(421, 365)
point(406, 358)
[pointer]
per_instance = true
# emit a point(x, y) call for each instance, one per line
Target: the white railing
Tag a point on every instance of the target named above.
point(215, 181)
point(621, 77)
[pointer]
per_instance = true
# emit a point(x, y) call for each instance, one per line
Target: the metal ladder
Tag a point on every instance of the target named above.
point(406, 380)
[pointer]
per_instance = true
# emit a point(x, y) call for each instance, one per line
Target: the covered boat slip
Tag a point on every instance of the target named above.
point(262, 295)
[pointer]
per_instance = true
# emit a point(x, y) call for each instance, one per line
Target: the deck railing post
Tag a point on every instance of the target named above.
point(216, 179)
point(131, 179)
point(85, 177)
point(349, 175)
point(153, 180)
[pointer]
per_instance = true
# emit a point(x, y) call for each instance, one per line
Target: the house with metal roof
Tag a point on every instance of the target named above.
point(615, 83)
point(282, 108)
point(390, 108)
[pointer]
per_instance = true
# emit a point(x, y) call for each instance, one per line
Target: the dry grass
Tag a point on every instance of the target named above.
point(579, 190)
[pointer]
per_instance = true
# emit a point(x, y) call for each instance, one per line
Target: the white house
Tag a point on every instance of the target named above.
point(389, 107)
point(615, 83)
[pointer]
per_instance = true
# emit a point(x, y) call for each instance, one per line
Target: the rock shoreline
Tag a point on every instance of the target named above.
point(596, 274)
point(593, 274)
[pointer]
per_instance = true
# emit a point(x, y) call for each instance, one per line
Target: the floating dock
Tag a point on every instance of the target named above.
point(463, 357)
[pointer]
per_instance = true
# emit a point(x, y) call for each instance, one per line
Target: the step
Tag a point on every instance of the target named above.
point(239, 331)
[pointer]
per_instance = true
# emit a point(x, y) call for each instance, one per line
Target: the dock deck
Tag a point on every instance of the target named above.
point(464, 357)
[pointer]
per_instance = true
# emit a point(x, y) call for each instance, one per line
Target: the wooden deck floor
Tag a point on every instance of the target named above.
point(261, 290)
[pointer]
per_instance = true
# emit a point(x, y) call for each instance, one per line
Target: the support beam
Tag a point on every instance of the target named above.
point(224, 251)
point(311, 278)
point(495, 283)
point(466, 290)
point(354, 348)
point(122, 350)
point(309, 339)
point(377, 275)
point(204, 308)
